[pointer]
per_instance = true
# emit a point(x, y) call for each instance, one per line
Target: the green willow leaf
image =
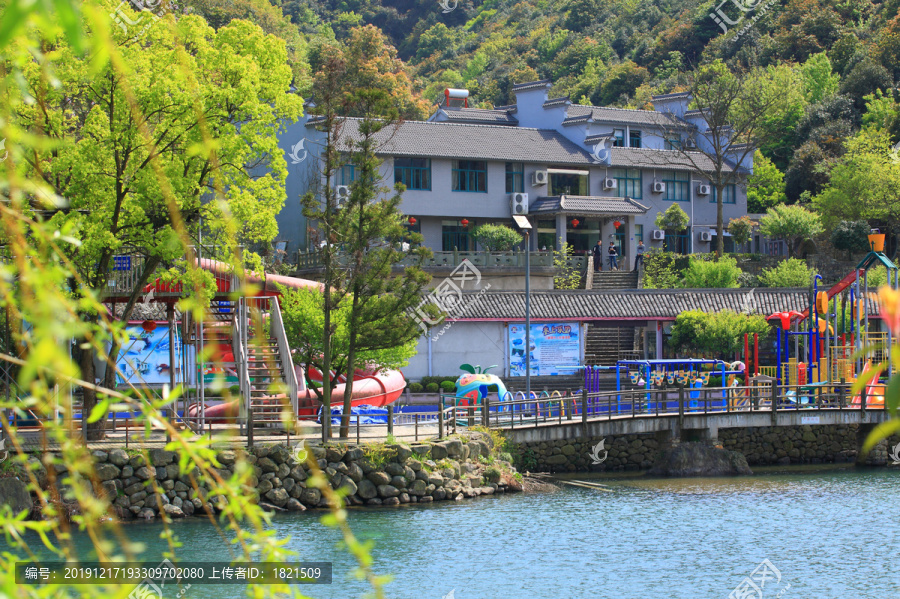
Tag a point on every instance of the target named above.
point(880, 433)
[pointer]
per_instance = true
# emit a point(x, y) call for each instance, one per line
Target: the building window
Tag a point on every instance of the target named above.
point(619, 138)
point(673, 144)
point(414, 173)
point(569, 184)
point(346, 174)
point(515, 177)
point(638, 234)
point(679, 243)
point(678, 186)
point(729, 197)
point(629, 183)
point(634, 139)
point(454, 236)
point(470, 175)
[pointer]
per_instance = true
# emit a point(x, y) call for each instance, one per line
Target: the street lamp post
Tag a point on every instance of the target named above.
point(525, 227)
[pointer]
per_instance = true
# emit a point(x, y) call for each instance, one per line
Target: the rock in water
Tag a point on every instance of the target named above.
point(14, 493)
point(699, 459)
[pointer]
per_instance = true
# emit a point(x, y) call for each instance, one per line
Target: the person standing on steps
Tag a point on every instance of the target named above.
point(639, 259)
point(598, 257)
point(613, 265)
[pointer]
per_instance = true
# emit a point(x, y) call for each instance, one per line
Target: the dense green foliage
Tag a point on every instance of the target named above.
point(851, 236)
point(792, 272)
point(708, 274)
point(793, 224)
point(673, 219)
point(718, 335)
point(497, 238)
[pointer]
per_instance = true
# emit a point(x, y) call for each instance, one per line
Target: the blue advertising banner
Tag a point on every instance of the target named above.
point(555, 348)
point(144, 360)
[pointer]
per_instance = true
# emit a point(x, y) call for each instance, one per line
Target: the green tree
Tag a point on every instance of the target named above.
point(740, 229)
point(735, 108)
point(497, 238)
point(135, 184)
point(819, 82)
point(865, 183)
point(673, 219)
point(662, 270)
point(621, 81)
point(719, 334)
point(765, 187)
point(793, 224)
point(792, 272)
point(721, 274)
point(567, 276)
point(851, 236)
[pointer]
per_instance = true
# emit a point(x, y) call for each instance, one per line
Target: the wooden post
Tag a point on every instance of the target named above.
point(774, 403)
point(390, 420)
point(440, 417)
point(841, 394)
point(486, 412)
point(357, 431)
point(680, 408)
point(862, 399)
point(569, 408)
point(417, 427)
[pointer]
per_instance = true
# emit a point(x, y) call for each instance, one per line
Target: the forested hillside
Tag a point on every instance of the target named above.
point(836, 63)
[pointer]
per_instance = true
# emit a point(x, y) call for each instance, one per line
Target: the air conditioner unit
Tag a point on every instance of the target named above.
point(705, 236)
point(659, 187)
point(342, 192)
point(690, 144)
point(518, 203)
point(610, 184)
point(703, 190)
point(539, 178)
point(659, 235)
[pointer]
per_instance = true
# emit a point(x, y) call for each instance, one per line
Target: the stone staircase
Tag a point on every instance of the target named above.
point(620, 279)
point(605, 346)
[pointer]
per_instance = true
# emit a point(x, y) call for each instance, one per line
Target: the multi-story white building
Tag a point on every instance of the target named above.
point(575, 171)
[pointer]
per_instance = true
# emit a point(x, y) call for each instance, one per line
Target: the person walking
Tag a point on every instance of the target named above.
point(639, 259)
point(598, 256)
point(613, 265)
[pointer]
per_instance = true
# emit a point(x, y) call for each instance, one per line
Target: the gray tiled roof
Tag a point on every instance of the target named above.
point(587, 205)
point(478, 142)
point(562, 101)
point(479, 116)
point(652, 304)
point(578, 113)
point(671, 96)
point(649, 158)
point(518, 87)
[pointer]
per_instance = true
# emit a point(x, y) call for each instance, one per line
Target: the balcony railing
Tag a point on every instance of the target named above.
point(312, 260)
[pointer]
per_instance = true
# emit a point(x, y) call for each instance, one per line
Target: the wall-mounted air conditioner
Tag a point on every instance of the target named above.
point(690, 144)
point(609, 184)
point(705, 236)
point(703, 190)
point(659, 187)
point(658, 235)
point(342, 194)
point(518, 203)
point(539, 178)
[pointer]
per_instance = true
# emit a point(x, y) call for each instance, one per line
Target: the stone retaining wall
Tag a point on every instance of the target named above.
point(453, 469)
point(761, 446)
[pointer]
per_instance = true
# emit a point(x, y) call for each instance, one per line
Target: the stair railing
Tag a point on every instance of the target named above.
point(240, 348)
point(276, 326)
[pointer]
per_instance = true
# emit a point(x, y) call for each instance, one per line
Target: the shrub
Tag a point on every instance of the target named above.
point(662, 270)
point(673, 219)
point(703, 274)
point(432, 387)
point(492, 475)
point(792, 272)
point(497, 238)
point(851, 236)
point(718, 334)
point(448, 387)
point(415, 387)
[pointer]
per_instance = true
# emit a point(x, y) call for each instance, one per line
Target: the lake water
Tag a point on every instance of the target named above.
point(828, 533)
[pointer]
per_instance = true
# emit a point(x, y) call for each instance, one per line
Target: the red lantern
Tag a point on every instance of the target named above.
point(617, 224)
point(149, 326)
point(464, 222)
point(412, 220)
point(575, 223)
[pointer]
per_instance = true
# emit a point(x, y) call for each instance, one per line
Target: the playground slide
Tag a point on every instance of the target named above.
point(839, 287)
point(268, 281)
point(874, 392)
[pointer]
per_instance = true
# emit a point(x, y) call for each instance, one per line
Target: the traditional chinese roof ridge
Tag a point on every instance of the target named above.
point(507, 108)
point(630, 304)
point(554, 102)
point(592, 139)
point(529, 85)
point(580, 113)
point(654, 158)
point(479, 116)
point(672, 96)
